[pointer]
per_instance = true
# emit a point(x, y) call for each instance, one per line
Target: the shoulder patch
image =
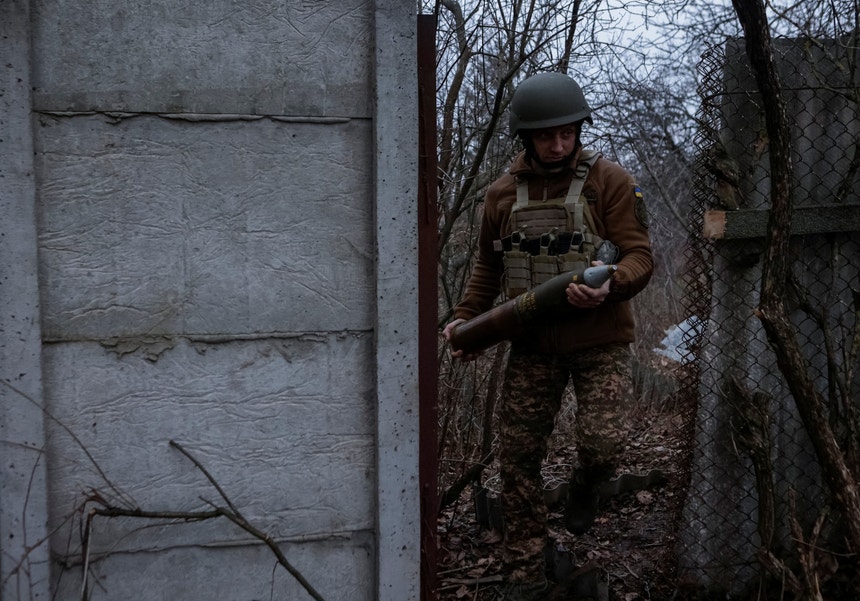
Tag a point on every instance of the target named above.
point(639, 207)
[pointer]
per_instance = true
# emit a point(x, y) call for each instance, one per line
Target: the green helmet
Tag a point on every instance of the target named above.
point(547, 100)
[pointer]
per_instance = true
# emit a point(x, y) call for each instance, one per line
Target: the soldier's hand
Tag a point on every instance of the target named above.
point(585, 297)
point(458, 354)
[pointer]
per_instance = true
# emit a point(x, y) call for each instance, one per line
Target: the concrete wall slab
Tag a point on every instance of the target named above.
point(257, 57)
point(285, 426)
point(155, 226)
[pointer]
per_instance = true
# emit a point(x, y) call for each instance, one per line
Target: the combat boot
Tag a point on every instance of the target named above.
point(583, 498)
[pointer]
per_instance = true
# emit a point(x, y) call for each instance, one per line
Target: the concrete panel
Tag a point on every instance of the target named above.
point(242, 573)
point(284, 426)
point(816, 81)
point(302, 57)
point(153, 226)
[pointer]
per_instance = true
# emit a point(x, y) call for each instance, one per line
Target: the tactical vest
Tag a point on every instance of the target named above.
point(549, 237)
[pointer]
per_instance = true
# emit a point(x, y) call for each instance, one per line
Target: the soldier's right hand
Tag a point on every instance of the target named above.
point(458, 354)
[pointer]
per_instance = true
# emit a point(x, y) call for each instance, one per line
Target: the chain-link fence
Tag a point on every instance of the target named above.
point(759, 521)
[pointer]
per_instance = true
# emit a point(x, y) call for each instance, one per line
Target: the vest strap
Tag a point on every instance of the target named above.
point(522, 193)
point(572, 202)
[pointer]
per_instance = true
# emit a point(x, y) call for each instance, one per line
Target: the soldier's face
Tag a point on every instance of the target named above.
point(554, 145)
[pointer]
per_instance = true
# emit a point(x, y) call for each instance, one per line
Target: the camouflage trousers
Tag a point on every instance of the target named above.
point(531, 399)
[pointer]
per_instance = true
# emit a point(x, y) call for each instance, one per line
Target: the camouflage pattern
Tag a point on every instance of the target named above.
point(534, 386)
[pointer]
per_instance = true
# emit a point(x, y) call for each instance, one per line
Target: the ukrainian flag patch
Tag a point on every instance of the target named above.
point(640, 209)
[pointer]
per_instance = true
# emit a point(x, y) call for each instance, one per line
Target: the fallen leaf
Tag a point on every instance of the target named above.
point(645, 497)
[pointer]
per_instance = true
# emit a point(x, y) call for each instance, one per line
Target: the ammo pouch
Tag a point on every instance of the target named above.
point(549, 237)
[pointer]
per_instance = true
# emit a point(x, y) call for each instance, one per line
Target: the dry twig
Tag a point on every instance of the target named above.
point(231, 512)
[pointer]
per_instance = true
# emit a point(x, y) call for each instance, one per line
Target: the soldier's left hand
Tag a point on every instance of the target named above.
point(585, 297)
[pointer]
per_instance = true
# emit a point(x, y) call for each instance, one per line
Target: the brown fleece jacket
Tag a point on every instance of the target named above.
point(611, 194)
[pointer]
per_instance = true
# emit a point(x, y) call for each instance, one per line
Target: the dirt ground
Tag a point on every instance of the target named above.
point(632, 542)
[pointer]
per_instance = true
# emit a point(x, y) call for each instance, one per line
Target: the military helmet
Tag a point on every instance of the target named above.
point(547, 100)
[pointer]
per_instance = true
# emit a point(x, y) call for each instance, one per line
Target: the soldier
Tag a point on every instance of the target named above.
point(558, 208)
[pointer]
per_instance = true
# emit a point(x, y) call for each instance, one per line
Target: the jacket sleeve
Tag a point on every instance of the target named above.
point(626, 224)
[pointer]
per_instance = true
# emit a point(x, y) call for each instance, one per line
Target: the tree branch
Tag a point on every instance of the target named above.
point(231, 512)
